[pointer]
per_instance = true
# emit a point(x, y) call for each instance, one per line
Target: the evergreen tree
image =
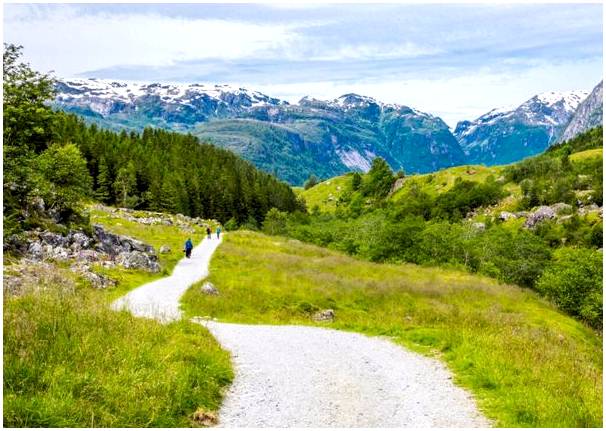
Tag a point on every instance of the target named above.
point(379, 179)
point(103, 192)
point(311, 181)
point(356, 181)
point(126, 181)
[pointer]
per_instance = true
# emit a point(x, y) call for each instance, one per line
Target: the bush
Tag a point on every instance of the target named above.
point(231, 224)
point(311, 181)
point(574, 282)
point(275, 222)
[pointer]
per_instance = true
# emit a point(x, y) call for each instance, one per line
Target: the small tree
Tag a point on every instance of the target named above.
point(356, 181)
point(275, 222)
point(103, 192)
point(126, 181)
point(311, 181)
point(379, 179)
point(67, 178)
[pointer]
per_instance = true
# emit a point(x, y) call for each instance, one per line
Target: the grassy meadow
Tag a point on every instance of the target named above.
point(69, 361)
point(528, 364)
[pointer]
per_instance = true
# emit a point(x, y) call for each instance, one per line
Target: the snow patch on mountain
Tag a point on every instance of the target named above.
point(354, 160)
point(100, 94)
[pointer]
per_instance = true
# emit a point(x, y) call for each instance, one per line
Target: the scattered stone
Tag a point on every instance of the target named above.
point(204, 418)
point(209, 289)
point(35, 250)
point(561, 208)
point(164, 249)
point(541, 214)
point(53, 239)
point(505, 215)
point(324, 316)
point(479, 226)
point(139, 260)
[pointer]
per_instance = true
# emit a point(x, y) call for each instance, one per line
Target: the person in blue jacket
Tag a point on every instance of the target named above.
point(218, 231)
point(188, 247)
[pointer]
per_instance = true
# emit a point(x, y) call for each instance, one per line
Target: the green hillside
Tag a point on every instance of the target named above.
point(527, 363)
point(521, 223)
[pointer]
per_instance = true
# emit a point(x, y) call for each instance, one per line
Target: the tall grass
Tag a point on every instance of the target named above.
point(527, 363)
point(71, 362)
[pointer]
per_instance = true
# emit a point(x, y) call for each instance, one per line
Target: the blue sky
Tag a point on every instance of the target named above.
point(455, 61)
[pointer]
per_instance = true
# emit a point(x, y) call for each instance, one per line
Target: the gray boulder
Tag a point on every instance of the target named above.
point(35, 250)
point(561, 208)
point(209, 289)
point(53, 239)
point(541, 214)
point(164, 249)
point(137, 259)
point(505, 215)
point(324, 316)
point(479, 226)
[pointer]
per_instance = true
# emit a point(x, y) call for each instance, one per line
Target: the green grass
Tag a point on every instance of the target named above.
point(69, 361)
point(326, 193)
point(587, 154)
point(527, 363)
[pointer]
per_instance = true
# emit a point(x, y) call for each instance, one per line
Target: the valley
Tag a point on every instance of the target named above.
point(485, 278)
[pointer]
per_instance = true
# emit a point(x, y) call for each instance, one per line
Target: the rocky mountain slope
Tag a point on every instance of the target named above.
point(588, 115)
point(325, 138)
point(506, 135)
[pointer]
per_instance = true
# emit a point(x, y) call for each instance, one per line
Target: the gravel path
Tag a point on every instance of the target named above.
point(160, 299)
point(301, 376)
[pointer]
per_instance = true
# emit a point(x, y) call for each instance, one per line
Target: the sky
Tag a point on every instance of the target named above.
point(454, 61)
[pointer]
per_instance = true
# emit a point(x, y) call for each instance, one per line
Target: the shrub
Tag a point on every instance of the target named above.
point(574, 282)
point(275, 222)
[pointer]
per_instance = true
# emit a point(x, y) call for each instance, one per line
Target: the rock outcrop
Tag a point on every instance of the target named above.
point(102, 247)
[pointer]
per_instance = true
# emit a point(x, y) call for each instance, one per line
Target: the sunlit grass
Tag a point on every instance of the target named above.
point(527, 363)
point(69, 361)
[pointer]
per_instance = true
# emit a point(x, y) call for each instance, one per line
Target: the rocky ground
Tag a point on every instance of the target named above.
point(38, 251)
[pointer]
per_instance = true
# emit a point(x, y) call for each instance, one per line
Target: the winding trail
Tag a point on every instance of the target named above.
point(303, 376)
point(160, 299)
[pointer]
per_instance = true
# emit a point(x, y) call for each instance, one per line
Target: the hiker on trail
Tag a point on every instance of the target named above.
point(188, 247)
point(208, 232)
point(218, 231)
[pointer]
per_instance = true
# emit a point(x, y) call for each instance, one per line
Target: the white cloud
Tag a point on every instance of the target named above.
point(97, 41)
point(452, 98)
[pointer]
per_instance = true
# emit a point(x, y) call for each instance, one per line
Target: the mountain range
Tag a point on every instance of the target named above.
point(329, 138)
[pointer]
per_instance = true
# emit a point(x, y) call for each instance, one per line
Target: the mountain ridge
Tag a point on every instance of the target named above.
point(322, 137)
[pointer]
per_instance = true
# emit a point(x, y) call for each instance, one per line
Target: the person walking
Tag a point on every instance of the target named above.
point(208, 232)
point(218, 231)
point(188, 248)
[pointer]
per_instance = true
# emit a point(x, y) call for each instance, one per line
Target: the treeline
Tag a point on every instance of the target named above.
point(54, 161)
point(167, 171)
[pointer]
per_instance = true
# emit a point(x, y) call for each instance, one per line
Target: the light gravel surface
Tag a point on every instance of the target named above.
point(160, 299)
point(301, 376)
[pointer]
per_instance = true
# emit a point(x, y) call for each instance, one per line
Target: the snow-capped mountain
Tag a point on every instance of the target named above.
point(589, 114)
point(180, 105)
point(506, 135)
point(325, 138)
